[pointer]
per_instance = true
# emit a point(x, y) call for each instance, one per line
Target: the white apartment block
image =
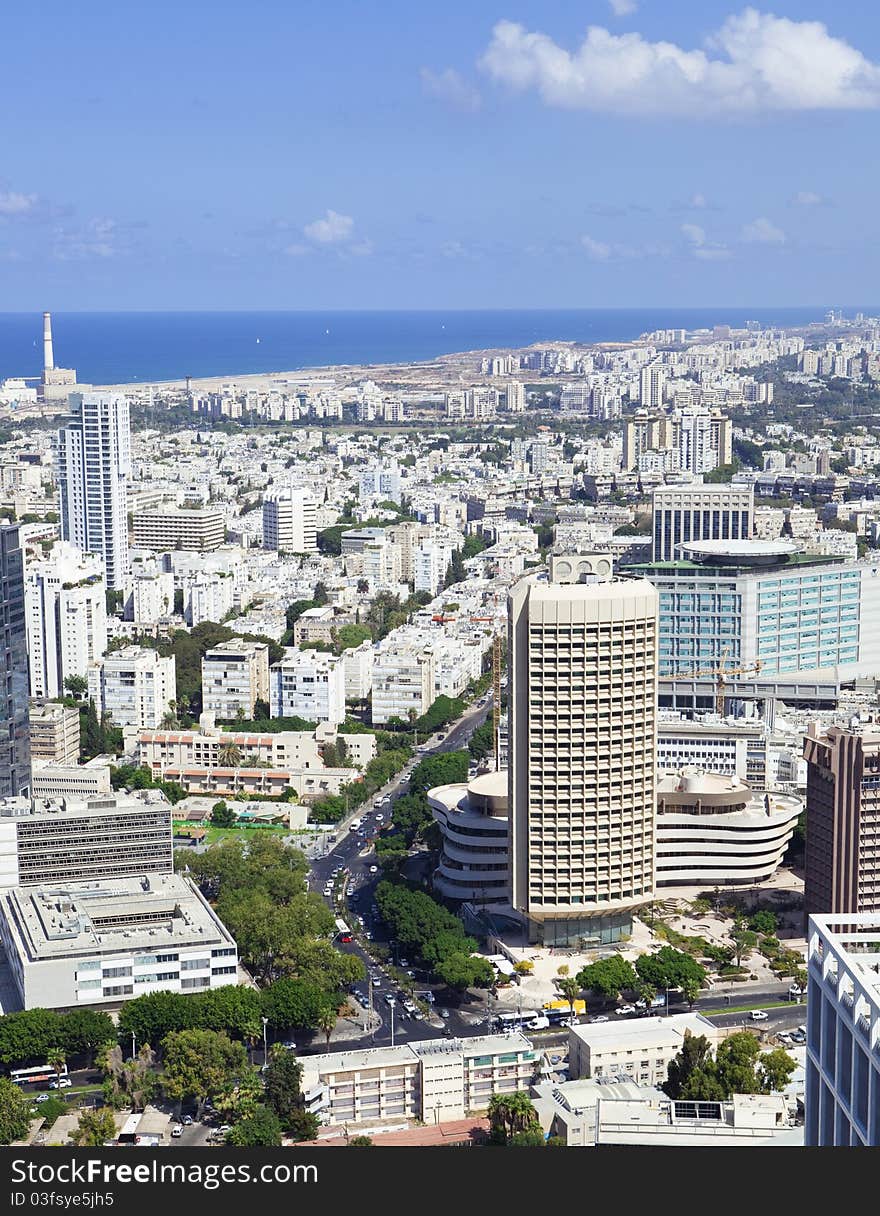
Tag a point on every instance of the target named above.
point(207, 597)
point(843, 1029)
point(380, 483)
point(515, 396)
point(151, 597)
point(381, 564)
point(54, 731)
point(639, 1050)
point(135, 686)
point(93, 461)
point(403, 681)
point(290, 521)
point(66, 617)
point(235, 674)
point(434, 1080)
point(357, 664)
point(69, 780)
point(201, 529)
point(431, 561)
point(307, 684)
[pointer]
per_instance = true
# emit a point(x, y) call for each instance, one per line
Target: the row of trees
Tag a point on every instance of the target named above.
point(35, 1035)
point(738, 1066)
point(379, 771)
point(424, 928)
point(651, 973)
point(411, 815)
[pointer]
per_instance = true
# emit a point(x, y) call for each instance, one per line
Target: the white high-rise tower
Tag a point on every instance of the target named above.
point(582, 758)
point(93, 460)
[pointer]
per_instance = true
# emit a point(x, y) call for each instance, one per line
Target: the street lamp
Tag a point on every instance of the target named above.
point(265, 1022)
point(392, 1003)
point(132, 1045)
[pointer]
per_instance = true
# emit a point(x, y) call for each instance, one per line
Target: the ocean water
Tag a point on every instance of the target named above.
point(123, 347)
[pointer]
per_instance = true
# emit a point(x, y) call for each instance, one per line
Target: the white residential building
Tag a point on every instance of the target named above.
point(135, 686)
point(357, 663)
point(430, 563)
point(207, 597)
point(235, 675)
point(93, 460)
point(380, 482)
point(290, 521)
point(639, 1050)
point(66, 617)
point(515, 397)
point(403, 681)
point(308, 684)
point(151, 598)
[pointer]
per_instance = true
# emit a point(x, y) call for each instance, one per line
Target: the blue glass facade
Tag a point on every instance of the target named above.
point(808, 620)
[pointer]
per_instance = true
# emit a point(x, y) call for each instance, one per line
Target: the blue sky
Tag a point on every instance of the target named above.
point(337, 154)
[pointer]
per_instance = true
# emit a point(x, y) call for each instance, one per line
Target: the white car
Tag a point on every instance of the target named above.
point(61, 1083)
point(374, 869)
point(626, 1011)
point(758, 1015)
point(796, 990)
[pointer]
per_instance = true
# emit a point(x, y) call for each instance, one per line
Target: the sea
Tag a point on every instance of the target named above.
point(128, 347)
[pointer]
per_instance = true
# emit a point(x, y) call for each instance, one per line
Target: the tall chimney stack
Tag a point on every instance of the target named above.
point(48, 359)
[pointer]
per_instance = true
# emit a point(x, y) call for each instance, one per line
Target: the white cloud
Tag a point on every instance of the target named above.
point(297, 251)
point(450, 87)
point(754, 63)
point(808, 198)
point(14, 203)
point(701, 246)
point(331, 230)
point(698, 201)
point(623, 8)
point(761, 231)
point(597, 250)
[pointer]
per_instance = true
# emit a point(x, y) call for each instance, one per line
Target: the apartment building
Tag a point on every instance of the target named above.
point(357, 663)
point(202, 529)
point(54, 733)
point(307, 684)
point(434, 1080)
point(66, 617)
point(290, 521)
point(583, 695)
point(15, 753)
point(135, 686)
point(151, 597)
point(235, 675)
point(403, 681)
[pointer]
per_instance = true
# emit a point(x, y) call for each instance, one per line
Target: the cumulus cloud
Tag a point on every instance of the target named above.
point(700, 245)
point(598, 251)
point(450, 87)
point(762, 232)
point(808, 198)
point(754, 63)
point(623, 8)
point(12, 202)
point(332, 229)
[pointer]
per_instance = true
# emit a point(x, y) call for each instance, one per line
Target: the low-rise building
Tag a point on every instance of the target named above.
point(200, 529)
point(474, 823)
point(746, 1120)
point(71, 944)
point(637, 1050)
point(432, 1080)
point(70, 780)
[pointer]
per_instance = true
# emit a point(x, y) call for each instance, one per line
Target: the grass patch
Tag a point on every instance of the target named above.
point(716, 1013)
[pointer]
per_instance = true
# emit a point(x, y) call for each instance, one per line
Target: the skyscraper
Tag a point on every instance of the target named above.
point(93, 459)
point(15, 757)
point(842, 872)
point(582, 767)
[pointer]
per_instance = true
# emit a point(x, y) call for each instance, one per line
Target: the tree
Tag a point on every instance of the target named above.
point(463, 971)
point(76, 685)
point(735, 1063)
point(95, 1128)
point(229, 754)
point(283, 1082)
point(693, 1056)
point(570, 989)
point(359, 1142)
point(775, 1069)
point(258, 1130)
point(200, 1064)
point(608, 977)
point(15, 1112)
point(743, 941)
point(56, 1058)
point(222, 815)
point(532, 1137)
point(327, 1023)
point(262, 711)
point(509, 1115)
point(690, 990)
point(646, 993)
point(763, 921)
point(669, 968)
point(303, 1125)
point(319, 595)
point(524, 966)
point(129, 1082)
point(83, 1031)
point(292, 1004)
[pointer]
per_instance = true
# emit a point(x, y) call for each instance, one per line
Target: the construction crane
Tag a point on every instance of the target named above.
point(720, 674)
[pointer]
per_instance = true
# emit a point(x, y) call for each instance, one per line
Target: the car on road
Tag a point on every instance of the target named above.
point(42, 1097)
point(187, 1120)
point(626, 1011)
point(374, 869)
point(61, 1083)
point(758, 1015)
point(797, 1036)
point(796, 990)
point(379, 818)
point(176, 1131)
point(289, 1045)
point(444, 1013)
point(599, 1018)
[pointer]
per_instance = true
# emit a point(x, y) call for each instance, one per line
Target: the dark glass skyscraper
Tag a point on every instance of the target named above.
point(15, 751)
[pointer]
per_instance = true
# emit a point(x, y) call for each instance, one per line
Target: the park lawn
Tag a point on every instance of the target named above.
point(715, 1013)
point(216, 835)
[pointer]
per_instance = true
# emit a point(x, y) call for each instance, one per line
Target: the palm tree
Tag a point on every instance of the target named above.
point(327, 1022)
point(646, 992)
point(229, 754)
point(570, 989)
point(56, 1059)
point(169, 721)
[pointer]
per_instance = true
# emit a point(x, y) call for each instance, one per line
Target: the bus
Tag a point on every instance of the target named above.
point(528, 1019)
point(40, 1074)
point(342, 930)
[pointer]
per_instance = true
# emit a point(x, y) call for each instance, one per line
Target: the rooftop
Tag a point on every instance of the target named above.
point(644, 1031)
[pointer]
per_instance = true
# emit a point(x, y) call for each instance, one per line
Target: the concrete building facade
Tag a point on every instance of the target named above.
point(65, 601)
point(201, 528)
point(134, 685)
point(235, 675)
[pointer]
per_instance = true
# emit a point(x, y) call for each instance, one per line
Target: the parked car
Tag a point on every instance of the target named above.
point(187, 1120)
point(176, 1131)
point(444, 1013)
point(758, 1015)
point(626, 1011)
point(61, 1083)
point(796, 990)
point(599, 1018)
point(42, 1097)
